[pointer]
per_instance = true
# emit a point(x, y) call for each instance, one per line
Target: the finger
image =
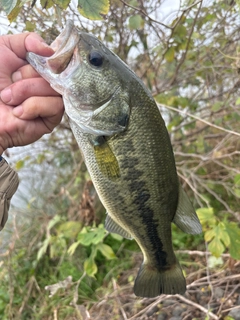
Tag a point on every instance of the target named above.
point(34, 43)
point(23, 42)
point(50, 109)
point(13, 49)
point(19, 91)
point(25, 72)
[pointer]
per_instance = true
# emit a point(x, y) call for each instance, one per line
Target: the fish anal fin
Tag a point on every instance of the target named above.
point(186, 218)
point(107, 161)
point(114, 227)
point(151, 282)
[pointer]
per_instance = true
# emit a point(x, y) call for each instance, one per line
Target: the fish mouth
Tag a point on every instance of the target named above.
point(63, 46)
point(58, 67)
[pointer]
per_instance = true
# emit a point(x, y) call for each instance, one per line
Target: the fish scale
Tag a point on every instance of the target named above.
point(127, 150)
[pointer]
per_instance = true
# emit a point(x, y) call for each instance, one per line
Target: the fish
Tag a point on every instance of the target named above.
point(127, 150)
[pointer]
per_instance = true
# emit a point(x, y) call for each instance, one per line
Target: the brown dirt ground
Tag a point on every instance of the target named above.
point(211, 294)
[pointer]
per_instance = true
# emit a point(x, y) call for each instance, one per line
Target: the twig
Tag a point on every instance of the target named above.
point(218, 281)
point(75, 298)
point(198, 306)
point(118, 301)
point(229, 309)
point(208, 276)
point(145, 14)
point(201, 253)
point(150, 306)
point(187, 46)
point(26, 297)
point(200, 119)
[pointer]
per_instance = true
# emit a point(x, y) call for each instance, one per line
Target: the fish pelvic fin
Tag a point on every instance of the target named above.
point(186, 218)
point(151, 282)
point(114, 227)
point(107, 161)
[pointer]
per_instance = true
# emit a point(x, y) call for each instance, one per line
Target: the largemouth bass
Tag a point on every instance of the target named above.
point(127, 150)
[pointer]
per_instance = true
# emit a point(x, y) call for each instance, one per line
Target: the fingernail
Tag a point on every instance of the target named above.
point(16, 76)
point(6, 95)
point(44, 44)
point(18, 111)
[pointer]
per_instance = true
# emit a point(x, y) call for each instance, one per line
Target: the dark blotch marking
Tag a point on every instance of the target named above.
point(96, 140)
point(123, 121)
point(145, 213)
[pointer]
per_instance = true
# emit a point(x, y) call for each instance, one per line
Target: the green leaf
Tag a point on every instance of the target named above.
point(46, 4)
point(12, 16)
point(237, 179)
point(19, 164)
point(219, 236)
point(90, 266)
point(43, 248)
point(238, 101)
point(217, 106)
point(116, 236)
point(31, 27)
point(106, 251)
point(224, 234)
point(180, 34)
point(57, 247)
point(209, 235)
point(206, 215)
point(54, 221)
point(99, 235)
point(69, 229)
point(86, 238)
point(234, 234)
point(216, 247)
point(93, 9)
point(135, 22)
point(169, 55)
point(237, 192)
point(63, 4)
point(73, 247)
point(93, 236)
point(8, 5)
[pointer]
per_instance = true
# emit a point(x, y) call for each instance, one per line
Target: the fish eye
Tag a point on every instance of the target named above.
point(95, 58)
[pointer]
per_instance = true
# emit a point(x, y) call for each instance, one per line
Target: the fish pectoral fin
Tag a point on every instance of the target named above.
point(112, 226)
point(186, 218)
point(107, 161)
point(151, 282)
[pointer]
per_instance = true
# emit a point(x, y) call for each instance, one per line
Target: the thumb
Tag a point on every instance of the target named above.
point(34, 43)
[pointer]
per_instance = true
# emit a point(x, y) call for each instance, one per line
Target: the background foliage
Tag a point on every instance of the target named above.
point(190, 60)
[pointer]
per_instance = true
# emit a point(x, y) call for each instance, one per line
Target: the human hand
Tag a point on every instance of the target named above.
point(29, 107)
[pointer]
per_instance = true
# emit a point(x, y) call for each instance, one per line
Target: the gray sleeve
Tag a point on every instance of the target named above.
point(8, 185)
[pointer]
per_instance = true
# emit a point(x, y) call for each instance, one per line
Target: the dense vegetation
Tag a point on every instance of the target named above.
point(57, 260)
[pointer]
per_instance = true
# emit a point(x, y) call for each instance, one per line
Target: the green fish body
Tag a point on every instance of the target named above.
point(127, 150)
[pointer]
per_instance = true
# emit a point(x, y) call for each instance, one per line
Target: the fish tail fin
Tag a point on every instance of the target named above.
point(151, 282)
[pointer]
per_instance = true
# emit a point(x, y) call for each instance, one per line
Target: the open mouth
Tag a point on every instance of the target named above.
point(58, 67)
point(63, 46)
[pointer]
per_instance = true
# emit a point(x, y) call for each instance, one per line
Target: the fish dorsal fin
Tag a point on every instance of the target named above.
point(186, 218)
point(107, 161)
point(112, 226)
